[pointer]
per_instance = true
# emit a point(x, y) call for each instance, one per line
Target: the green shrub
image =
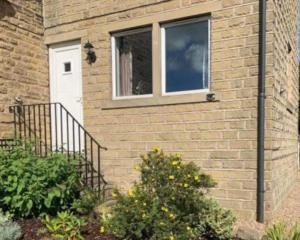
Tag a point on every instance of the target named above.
point(281, 232)
point(217, 222)
point(65, 226)
point(31, 185)
point(168, 203)
point(294, 233)
point(86, 203)
point(8, 229)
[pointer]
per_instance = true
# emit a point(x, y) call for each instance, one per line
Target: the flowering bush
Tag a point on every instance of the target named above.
point(168, 203)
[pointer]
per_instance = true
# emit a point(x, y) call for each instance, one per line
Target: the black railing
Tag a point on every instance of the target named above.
point(7, 143)
point(52, 128)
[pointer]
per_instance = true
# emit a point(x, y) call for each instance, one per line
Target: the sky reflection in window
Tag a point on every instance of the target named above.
point(187, 54)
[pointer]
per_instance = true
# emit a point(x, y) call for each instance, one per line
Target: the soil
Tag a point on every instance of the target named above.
point(32, 229)
point(91, 232)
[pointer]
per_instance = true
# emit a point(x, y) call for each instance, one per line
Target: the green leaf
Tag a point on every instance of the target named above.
point(29, 205)
point(29, 183)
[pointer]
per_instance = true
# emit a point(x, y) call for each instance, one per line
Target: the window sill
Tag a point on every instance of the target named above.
point(132, 97)
point(160, 100)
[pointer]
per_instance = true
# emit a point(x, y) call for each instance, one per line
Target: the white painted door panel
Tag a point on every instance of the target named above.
point(66, 88)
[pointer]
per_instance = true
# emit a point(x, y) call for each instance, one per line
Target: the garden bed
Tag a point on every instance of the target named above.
point(169, 201)
point(32, 229)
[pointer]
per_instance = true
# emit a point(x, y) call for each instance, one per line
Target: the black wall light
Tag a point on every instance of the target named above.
point(91, 55)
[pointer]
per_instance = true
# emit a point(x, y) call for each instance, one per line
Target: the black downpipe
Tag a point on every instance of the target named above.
point(261, 113)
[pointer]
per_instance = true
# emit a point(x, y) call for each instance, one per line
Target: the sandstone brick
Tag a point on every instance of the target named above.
point(239, 194)
point(24, 62)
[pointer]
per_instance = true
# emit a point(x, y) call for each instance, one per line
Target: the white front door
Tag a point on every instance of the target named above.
point(66, 83)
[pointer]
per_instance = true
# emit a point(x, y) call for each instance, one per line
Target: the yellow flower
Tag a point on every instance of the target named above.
point(196, 178)
point(137, 167)
point(156, 149)
point(136, 201)
point(172, 216)
point(145, 204)
point(114, 195)
point(188, 228)
point(172, 237)
point(144, 215)
point(130, 193)
point(164, 209)
point(102, 229)
point(174, 163)
point(171, 177)
point(188, 175)
point(185, 185)
point(161, 223)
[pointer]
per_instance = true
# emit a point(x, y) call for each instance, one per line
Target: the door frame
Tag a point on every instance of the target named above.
point(53, 48)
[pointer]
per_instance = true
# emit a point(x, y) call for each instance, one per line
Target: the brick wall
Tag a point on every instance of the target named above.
point(62, 12)
point(284, 113)
point(220, 136)
point(23, 56)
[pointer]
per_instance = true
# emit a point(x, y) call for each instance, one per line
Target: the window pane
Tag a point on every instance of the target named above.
point(67, 67)
point(187, 54)
point(134, 64)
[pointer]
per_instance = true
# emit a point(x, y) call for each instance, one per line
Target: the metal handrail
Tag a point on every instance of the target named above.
point(7, 143)
point(52, 128)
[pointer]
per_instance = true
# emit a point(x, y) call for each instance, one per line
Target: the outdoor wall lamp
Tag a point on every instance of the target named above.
point(91, 55)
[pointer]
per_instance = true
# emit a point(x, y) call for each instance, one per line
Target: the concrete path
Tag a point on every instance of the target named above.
point(290, 210)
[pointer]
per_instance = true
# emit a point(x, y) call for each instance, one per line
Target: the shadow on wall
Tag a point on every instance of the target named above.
point(6, 9)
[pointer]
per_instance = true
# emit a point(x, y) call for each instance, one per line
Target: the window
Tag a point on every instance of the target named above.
point(185, 56)
point(67, 67)
point(132, 63)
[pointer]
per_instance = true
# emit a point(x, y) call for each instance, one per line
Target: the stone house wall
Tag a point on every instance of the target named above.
point(219, 136)
point(23, 57)
point(283, 148)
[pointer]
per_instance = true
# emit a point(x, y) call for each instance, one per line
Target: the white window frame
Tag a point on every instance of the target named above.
point(163, 55)
point(115, 57)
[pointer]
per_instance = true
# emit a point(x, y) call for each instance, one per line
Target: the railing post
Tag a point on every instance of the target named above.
point(12, 109)
point(45, 131)
point(92, 165)
point(61, 130)
point(50, 127)
point(19, 106)
point(99, 172)
point(85, 158)
point(40, 130)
